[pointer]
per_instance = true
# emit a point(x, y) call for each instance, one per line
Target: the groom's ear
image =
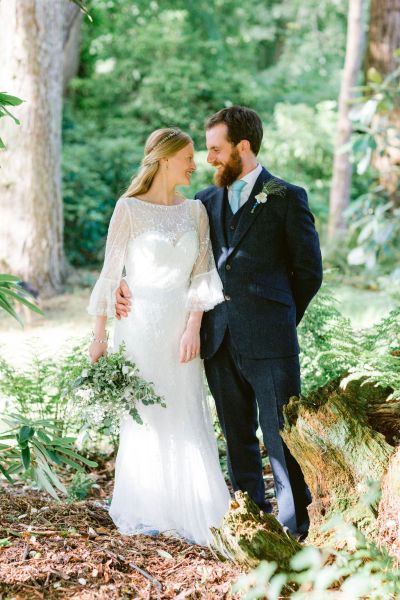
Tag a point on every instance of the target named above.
point(244, 146)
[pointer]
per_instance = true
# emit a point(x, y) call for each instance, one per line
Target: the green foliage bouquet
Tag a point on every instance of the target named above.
point(110, 388)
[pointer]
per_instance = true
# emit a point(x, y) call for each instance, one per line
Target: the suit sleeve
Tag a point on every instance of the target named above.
point(304, 251)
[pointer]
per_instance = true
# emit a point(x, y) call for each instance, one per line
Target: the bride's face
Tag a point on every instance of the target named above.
point(181, 165)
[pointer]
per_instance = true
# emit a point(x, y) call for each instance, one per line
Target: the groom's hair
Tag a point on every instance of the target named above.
point(242, 123)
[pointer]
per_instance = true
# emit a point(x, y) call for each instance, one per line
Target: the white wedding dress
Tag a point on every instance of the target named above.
point(167, 475)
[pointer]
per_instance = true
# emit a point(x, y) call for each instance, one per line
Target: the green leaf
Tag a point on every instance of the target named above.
point(6, 475)
point(77, 456)
point(5, 110)
point(83, 9)
point(25, 434)
point(41, 459)
point(11, 100)
point(307, 558)
point(47, 451)
point(23, 300)
point(43, 436)
point(374, 75)
point(43, 482)
point(26, 457)
point(4, 277)
point(7, 307)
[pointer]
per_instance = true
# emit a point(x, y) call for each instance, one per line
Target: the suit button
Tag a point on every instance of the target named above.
point(228, 267)
point(232, 227)
point(227, 297)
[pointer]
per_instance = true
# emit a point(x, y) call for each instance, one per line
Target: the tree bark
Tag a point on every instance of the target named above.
point(248, 535)
point(71, 42)
point(341, 175)
point(383, 40)
point(342, 443)
point(384, 36)
point(339, 452)
point(31, 227)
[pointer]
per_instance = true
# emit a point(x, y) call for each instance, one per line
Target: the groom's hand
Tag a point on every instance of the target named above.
point(123, 303)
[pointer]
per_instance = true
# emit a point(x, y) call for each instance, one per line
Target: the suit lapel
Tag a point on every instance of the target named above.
point(247, 218)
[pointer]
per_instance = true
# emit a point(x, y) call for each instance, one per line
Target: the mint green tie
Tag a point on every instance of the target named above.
point(236, 188)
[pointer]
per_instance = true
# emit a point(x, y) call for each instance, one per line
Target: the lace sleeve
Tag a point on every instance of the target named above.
point(205, 289)
point(102, 299)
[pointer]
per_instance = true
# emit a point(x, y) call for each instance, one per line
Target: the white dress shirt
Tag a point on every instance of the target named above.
point(251, 178)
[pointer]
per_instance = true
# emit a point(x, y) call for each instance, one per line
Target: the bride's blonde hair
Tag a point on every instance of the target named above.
point(162, 143)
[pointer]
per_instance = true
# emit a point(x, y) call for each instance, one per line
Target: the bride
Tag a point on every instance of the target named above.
point(167, 474)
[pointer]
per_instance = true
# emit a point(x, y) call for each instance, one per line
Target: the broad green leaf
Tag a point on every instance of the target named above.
point(11, 100)
point(6, 474)
point(50, 473)
point(25, 433)
point(23, 300)
point(26, 457)
point(77, 456)
point(43, 482)
point(9, 278)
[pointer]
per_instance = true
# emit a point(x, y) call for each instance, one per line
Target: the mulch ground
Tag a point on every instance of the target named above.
point(58, 550)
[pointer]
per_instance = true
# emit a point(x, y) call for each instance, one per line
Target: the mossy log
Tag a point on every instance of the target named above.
point(248, 535)
point(344, 439)
point(331, 435)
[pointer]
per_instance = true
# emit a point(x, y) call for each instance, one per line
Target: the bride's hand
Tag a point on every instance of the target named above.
point(190, 344)
point(96, 350)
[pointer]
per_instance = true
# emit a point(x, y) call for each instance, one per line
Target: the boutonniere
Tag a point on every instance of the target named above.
point(270, 188)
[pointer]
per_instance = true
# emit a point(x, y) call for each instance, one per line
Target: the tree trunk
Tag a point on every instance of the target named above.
point(383, 40)
point(71, 42)
point(341, 175)
point(31, 229)
point(384, 36)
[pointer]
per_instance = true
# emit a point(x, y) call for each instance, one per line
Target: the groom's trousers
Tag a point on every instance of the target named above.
point(249, 392)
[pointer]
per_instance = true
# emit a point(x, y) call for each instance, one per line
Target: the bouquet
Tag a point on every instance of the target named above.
point(110, 388)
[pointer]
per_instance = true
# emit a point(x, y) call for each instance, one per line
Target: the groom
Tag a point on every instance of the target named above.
point(268, 257)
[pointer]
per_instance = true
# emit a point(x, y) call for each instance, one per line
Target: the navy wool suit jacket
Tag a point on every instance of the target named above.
point(270, 269)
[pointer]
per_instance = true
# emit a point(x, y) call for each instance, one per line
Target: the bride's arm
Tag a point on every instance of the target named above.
point(102, 299)
point(205, 289)
point(98, 346)
point(190, 340)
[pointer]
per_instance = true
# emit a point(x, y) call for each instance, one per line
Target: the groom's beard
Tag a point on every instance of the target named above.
point(231, 170)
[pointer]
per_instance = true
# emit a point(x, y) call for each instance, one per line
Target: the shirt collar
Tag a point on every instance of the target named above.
point(252, 176)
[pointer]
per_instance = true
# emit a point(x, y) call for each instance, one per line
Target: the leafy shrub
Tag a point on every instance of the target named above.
point(331, 348)
point(359, 570)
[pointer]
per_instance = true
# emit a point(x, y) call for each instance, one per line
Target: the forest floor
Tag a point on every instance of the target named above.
point(71, 550)
point(55, 550)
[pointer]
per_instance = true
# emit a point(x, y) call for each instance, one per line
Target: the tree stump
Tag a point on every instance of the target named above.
point(331, 436)
point(248, 535)
point(343, 440)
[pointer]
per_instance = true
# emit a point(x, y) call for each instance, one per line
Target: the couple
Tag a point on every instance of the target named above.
point(228, 274)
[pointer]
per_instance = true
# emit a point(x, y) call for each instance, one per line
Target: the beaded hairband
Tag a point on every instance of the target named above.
point(169, 136)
